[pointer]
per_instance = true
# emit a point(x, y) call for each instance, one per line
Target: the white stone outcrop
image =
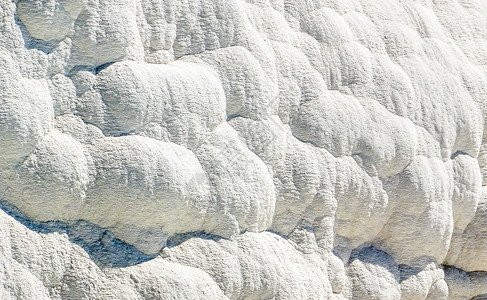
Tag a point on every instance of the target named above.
point(243, 149)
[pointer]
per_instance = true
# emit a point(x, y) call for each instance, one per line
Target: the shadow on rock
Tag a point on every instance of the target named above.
point(100, 244)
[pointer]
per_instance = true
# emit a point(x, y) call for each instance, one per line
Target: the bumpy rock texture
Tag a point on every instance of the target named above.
point(231, 149)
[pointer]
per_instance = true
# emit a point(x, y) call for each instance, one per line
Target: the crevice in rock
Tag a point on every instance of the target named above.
point(103, 67)
point(177, 239)
point(233, 116)
point(457, 153)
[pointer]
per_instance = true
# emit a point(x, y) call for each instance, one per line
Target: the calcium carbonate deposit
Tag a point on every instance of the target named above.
point(243, 149)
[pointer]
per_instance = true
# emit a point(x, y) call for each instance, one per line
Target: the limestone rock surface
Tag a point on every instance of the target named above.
point(243, 149)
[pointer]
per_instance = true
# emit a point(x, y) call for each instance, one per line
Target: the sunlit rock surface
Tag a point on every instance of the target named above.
point(231, 149)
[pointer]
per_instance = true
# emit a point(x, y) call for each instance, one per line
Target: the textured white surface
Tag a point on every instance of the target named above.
point(231, 149)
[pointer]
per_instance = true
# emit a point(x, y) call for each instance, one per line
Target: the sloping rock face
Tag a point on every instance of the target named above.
point(231, 149)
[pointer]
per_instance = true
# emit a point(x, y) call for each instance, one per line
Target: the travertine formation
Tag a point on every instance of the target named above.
point(231, 149)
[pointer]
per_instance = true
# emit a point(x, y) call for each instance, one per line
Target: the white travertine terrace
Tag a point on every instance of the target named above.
point(243, 149)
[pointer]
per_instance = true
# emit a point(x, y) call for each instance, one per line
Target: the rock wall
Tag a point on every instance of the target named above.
point(231, 149)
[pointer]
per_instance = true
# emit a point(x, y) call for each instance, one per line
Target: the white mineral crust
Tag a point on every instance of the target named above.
point(243, 149)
